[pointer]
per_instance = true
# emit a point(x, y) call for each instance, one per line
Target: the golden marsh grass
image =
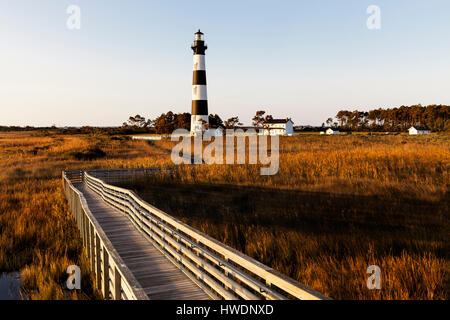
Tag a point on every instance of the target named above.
point(337, 205)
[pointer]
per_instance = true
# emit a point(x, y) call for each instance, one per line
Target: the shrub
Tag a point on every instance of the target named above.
point(89, 154)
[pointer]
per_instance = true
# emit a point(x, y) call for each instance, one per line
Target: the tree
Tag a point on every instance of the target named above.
point(232, 122)
point(329, 121)
point(258, 119)
point(183, 121)
point(215, 120)
point(436, 117)
point(169, 122)
point(165, 123)
point(137, 121)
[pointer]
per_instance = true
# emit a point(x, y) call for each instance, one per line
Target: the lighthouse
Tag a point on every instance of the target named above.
point(199, 115)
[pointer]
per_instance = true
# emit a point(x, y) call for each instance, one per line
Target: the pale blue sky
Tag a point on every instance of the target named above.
point(302, 59)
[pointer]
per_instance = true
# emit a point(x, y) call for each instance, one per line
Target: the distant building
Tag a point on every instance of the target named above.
point(415, 130)
point(331, 131)
point(281, 127)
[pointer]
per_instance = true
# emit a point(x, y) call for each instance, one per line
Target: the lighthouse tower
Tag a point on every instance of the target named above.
point(199, 115)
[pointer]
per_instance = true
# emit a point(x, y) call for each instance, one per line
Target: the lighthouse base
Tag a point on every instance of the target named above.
point(198, 124)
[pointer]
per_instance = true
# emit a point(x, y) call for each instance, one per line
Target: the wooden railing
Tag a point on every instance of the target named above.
point(222, 272)
point(127, 175)
point(113, 277)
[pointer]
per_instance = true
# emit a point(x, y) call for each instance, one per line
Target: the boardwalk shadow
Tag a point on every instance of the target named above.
point(299, 211)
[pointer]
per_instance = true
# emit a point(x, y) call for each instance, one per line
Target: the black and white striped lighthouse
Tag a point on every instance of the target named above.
point(199, 94)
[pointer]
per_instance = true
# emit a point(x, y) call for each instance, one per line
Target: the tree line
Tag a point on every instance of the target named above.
point(435, 117)
point(168, 122)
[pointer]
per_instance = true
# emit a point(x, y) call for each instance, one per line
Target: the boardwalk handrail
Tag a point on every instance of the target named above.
point(222, 271)
point(113, 277)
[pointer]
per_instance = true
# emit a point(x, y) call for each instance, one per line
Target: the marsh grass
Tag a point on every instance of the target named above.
point(38, 236)
point(337, 205)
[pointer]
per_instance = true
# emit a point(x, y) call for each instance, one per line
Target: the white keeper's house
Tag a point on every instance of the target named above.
point(282, 127)
point(415, 130)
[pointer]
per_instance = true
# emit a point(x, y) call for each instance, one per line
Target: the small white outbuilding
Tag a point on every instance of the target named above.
point(331, 131)
point(415, 130)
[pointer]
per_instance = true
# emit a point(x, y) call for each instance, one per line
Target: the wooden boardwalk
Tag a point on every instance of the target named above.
point(160, 278)
point(138, 252)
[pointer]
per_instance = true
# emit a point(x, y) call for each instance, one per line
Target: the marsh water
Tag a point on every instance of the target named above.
point(10, 286)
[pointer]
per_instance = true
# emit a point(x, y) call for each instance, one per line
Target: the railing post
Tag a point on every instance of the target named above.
point(83, 228)
point(86, 230)
point(92, 248)
point(87, 237)
point(105, 274)
point(98, 263)
point(226, 271)
point(117, 285)
point(199, 254)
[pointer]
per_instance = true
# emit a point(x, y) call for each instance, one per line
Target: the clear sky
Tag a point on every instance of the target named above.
point(300, 59)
